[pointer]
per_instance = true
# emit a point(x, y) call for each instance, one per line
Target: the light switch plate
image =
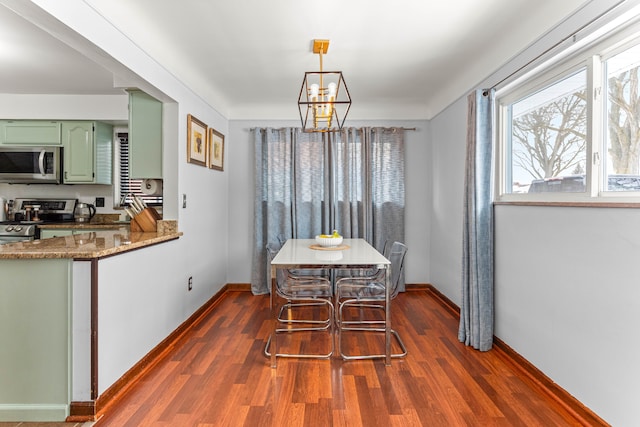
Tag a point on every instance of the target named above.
point(184, 201)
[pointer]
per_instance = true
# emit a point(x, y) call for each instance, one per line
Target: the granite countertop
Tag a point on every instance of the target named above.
point(93, 244)
point(83, 225)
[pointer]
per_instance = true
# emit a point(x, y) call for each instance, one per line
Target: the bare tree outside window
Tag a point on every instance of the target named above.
point(624, 113)
point(551, 140)
point(548, 135)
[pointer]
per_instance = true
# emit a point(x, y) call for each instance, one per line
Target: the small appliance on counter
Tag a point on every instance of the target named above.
point(84, 212)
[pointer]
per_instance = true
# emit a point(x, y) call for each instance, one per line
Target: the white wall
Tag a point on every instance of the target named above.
point(566, 292)
point(131, 307)
point(568, 299)
point(417, 196)
point(448, 133)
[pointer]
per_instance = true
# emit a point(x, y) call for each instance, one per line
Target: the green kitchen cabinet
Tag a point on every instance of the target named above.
point(36, 329)
point(145, 136)
point(30, 132)
point(87, 152)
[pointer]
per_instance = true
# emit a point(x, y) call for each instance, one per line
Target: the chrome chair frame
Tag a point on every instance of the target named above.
point(301, 291)
point(369, 293)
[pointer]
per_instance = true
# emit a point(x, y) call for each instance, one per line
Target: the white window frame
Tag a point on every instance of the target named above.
point(592, 58)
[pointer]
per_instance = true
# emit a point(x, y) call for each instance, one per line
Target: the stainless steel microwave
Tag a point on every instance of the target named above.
point(30, 165)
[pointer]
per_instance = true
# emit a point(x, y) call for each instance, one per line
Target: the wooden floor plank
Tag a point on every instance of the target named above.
point(217, 375)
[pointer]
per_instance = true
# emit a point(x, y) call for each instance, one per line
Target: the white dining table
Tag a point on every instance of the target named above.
point(357, 254)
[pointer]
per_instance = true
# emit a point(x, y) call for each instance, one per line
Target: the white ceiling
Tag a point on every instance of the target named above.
point(406, 59)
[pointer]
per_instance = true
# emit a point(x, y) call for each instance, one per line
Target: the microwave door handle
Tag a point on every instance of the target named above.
point(41, 162)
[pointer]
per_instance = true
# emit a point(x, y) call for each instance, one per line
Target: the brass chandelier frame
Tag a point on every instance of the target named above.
point(324, 100)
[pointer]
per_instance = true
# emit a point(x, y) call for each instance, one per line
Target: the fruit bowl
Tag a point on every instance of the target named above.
point(328, 241)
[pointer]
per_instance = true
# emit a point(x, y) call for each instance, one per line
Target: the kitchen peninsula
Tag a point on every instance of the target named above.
point(55, 361)
point(94, 244)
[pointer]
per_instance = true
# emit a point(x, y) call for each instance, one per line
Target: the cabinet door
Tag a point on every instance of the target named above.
point(145, 136)
point(77, 138)
point(29, 132)
point(103, 143)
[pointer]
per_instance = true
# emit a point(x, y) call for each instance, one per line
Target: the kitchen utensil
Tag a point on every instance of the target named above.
point(84, 212)
point(139, 203)
point(130, 212)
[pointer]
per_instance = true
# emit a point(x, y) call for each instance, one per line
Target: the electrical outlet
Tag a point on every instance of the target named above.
point(99, 202)
point(190, 283)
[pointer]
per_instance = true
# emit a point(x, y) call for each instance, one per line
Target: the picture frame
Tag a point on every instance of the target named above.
point(216, 150)
point(197, 141)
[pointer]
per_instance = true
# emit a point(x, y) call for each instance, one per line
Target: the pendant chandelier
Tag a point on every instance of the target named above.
point(324, 99)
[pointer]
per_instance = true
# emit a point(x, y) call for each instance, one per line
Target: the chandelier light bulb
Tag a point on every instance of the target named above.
point(315, 89)
point(332, 89)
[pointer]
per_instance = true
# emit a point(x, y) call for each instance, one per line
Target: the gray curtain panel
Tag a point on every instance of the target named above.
point(311, 183)
point(477, 312)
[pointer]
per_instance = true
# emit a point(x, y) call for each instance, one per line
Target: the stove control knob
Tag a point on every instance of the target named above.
point(9, 228)
point(18, 228)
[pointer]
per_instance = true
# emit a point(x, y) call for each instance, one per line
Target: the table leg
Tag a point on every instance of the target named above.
point(387, 318)
point(274, 314)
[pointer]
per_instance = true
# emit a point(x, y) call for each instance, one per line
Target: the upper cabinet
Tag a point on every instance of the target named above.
point(87, 146)
point(87, 152)
point(30, 132)
point(145, 136)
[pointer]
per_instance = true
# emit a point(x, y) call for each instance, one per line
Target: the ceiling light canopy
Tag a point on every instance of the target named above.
point(324, 99)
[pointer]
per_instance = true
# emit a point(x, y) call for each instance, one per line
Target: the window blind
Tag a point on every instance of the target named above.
point(129, 187)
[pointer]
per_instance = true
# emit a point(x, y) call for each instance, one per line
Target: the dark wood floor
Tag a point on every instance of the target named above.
point(218, 376)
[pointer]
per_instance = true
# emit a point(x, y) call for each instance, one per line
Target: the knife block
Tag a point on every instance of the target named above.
point(145, 221)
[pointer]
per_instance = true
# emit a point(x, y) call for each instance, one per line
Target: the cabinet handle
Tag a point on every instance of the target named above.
point(41, 162)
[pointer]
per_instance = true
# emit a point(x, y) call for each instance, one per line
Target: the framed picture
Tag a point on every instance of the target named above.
point(216, 149)
point(196, 141)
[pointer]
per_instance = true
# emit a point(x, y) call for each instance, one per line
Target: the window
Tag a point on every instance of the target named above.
point(125, 188)
point(547, 137)
point(622, 167)
point(572, 133)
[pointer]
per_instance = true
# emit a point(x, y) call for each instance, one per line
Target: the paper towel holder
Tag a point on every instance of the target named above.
point(151, 187)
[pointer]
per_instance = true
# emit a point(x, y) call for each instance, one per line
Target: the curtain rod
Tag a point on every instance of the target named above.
point(285, 128)
point(571, 36)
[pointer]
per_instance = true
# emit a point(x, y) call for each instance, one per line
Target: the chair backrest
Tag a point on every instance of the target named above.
point(396, 256)
point(272, 251)
point(386, 248)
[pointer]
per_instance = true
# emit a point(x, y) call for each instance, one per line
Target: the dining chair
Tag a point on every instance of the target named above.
point(360, 300)
point(363, 272)
point(306, 299)
point(282, 239)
